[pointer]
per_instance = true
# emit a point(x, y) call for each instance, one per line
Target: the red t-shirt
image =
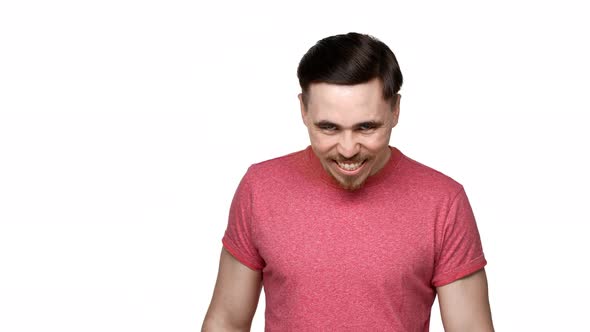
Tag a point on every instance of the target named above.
point(338, 260)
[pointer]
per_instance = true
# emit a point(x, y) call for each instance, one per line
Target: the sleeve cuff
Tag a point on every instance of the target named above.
point(242, 259)
point(465, 270)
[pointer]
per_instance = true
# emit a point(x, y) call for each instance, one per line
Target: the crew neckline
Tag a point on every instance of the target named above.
point(318, 170)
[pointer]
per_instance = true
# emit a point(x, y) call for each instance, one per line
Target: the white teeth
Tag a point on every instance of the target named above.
point(350, 167)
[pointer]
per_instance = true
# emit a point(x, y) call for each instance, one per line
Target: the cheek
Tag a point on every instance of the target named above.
point(322, 143)
point(374, 142)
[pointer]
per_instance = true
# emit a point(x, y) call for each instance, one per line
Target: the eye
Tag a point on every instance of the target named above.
point(367, 127)
point(327, 127)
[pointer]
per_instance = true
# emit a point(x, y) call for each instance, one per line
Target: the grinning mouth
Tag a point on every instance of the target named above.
point(350, 166)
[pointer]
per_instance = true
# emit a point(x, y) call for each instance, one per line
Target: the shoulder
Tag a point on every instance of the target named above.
point(277, 169)
point(427, 179)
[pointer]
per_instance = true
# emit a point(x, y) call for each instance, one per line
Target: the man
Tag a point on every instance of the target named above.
point(350, 234)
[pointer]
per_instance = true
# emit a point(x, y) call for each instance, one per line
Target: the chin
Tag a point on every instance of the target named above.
point(354, 184)
point(350, 183)
point(352, 187)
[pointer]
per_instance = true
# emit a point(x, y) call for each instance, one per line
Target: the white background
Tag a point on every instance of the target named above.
point(125, 127)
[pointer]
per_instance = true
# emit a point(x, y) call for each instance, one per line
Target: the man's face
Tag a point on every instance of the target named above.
point(349, 128)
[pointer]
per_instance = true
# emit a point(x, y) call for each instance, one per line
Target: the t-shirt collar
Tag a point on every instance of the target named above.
point(316, 168)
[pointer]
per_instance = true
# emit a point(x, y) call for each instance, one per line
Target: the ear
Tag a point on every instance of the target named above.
point(395, 110)
point(303, 109)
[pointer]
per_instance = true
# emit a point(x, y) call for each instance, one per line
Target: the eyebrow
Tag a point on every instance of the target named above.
point(372, 124)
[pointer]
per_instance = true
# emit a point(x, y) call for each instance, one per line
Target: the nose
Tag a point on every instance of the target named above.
point(348, 147)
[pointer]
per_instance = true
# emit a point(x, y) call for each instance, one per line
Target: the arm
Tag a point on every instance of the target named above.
point(464, 304)
point(235, 296)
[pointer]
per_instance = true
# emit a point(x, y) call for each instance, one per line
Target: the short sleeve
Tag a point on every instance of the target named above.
point(239, 236)
point(460, 251)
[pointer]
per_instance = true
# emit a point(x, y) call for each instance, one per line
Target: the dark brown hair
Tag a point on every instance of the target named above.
point(350, 59)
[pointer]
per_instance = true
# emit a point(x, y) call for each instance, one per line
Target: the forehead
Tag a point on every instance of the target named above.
point(347, 103)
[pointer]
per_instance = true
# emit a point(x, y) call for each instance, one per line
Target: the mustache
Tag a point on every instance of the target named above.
point(355, 159)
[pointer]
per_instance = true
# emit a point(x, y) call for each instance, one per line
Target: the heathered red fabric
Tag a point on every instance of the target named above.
point(366, 260)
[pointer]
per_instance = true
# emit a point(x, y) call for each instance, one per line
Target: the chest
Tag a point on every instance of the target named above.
point(339, 243)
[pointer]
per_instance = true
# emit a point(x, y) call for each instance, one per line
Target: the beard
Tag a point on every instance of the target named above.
point(350, 183)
